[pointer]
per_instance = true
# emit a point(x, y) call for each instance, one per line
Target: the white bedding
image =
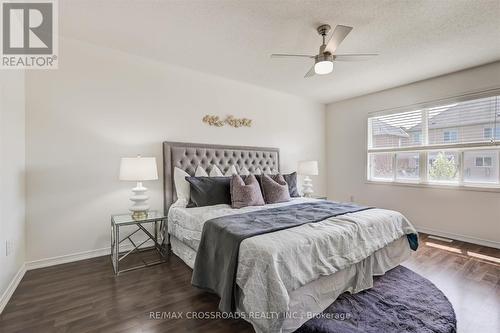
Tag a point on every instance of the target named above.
point(271, 267)
point(186, 224)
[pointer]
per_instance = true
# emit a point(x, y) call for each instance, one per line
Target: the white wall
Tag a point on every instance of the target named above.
point(102, 104)
point(475, 215)
point(12, 176)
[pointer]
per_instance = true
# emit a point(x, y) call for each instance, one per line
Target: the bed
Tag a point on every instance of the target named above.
point(284, 278)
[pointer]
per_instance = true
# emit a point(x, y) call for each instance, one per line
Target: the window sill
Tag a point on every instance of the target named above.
point(494, 189)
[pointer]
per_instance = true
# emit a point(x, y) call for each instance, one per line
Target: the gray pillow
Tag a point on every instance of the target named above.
point(209, 191)
point(291, 180)
point(275, 190)
point(245, 192)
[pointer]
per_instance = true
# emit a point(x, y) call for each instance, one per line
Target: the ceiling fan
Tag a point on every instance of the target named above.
point(323, 62)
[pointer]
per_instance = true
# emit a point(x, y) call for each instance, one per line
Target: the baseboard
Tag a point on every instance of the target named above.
point(12, 287)
point(468, 239)
point(64, 259)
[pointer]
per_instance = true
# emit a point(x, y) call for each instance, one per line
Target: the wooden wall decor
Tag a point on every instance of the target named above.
point(230, 120)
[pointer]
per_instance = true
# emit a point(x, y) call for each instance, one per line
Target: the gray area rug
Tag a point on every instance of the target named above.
point(400, 301)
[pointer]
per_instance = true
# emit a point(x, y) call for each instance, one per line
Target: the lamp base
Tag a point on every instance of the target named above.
point(307, 187)
point(140, 214)
point(140, 207)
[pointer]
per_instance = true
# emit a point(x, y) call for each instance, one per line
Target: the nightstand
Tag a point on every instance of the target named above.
point(157, 236)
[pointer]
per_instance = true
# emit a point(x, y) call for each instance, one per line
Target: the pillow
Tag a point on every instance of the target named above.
point(209, 191)
point(246, 192)
point(215, 172)
point(244, 171)
point(231, 171)
point(275, 191)
point(200, 172)
point(182, 187)
point(291, 180)
point(257, 172)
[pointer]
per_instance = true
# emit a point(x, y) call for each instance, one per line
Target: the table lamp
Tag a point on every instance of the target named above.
point(308, 168)
point(138, 169)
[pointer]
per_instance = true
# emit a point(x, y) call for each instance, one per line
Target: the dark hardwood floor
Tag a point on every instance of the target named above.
point(85, 296)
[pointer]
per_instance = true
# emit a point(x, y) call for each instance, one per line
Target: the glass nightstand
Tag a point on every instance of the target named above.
point(158, 236)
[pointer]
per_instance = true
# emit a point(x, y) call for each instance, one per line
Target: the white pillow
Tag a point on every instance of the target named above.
point(257, 172)
point(231, 171)
point(244, 171)
point(200, 172)
point(181, 186)
point(215, 172)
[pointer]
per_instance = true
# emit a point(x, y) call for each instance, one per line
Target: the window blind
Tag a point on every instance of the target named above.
point(472, 121)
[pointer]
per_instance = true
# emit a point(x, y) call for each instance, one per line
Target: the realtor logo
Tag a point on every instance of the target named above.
point(29, 34)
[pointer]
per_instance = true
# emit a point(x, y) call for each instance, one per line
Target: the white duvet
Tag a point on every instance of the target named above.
point(273, 265)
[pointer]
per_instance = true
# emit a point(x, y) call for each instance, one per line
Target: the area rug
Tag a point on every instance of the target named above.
point(400, 301)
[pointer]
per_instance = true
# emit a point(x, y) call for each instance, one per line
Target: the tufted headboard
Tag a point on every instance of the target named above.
point(187, 156)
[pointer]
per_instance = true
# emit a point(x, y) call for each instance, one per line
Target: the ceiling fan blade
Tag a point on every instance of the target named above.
point(311, 72)
point(354, 57)
point(284, 55)
point(339, 34)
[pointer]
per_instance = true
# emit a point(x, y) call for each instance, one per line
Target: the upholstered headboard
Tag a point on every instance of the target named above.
point(188, 156)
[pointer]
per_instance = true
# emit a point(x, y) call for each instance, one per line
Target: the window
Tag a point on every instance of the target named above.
point(488, 133)
point(381, 166)
point(481, 166)
point(450, 136)
point(483, 162)
point(443, 166)
point(407, 166)
point(451, 143)
point(416, 138)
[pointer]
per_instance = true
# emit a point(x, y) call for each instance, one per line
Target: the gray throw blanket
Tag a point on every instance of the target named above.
point(217, 258)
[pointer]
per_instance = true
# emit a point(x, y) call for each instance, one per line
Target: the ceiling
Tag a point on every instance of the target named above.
point(233, 39)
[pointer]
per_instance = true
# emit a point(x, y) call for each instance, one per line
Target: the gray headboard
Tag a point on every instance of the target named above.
point(187, 156)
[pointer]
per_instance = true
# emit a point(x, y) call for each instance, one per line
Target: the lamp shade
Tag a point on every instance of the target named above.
point(138, 168)
point(308, 168)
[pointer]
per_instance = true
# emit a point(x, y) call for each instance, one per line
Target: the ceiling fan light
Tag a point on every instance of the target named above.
point(323, 67)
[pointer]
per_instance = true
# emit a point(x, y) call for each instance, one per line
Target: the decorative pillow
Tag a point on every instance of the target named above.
point(182, 187)
point(291, 180)
point(215, 172)
point(275, 191)
point(257, 172)
point(246, 192)
point(209, 191)
point(200, 172)
point(244, 171)
point(231, 171)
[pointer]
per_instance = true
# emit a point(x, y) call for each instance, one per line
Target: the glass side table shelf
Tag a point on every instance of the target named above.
point(157, 235)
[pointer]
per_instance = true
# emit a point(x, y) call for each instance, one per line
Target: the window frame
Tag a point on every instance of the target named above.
point(425, 148)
